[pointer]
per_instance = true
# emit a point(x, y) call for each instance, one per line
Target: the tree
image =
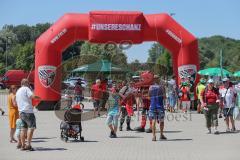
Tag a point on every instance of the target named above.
point(154, 52)
point(164, 63)
point(23, 33)
point(25, 56)
point(103, 51)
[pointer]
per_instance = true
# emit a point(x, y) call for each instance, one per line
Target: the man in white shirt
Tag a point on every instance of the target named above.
point(24, 98)
point(228, 96)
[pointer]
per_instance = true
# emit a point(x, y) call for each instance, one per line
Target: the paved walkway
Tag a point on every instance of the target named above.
point(187, 140)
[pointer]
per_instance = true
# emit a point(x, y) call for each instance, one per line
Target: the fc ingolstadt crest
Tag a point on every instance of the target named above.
point(47, 75)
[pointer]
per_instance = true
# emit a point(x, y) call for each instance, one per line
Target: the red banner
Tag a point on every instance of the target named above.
point(116, 26)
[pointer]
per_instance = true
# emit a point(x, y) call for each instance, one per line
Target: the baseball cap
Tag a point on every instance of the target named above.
point(156, 76)
point(202, 80)
point(210, 81)
point(225, 79)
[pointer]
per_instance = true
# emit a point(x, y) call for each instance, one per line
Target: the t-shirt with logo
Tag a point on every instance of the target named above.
point(228, 96)
point(113, 103)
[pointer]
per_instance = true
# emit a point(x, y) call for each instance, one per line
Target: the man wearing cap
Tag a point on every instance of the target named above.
point(200, 87)
point(209, 102)
point(228, 98)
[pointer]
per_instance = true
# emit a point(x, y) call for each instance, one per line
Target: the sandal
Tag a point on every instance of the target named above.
point(27, 147)
point(13, 141)
point(154, 138)
point(19, 146)
point(162, 137)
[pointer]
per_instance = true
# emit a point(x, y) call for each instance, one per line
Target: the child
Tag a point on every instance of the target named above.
point(113, 112)
point(19, 124)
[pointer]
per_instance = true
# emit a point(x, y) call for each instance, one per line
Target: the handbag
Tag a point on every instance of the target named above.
point(236, 113)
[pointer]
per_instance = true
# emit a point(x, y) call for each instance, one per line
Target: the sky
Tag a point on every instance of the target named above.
point(203, 18)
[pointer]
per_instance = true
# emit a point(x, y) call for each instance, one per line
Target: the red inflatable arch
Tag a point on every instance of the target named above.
point(103, 27)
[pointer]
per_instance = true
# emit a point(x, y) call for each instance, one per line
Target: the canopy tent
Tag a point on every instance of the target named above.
point(103, 66)
point(214, 72)
point(236, 74)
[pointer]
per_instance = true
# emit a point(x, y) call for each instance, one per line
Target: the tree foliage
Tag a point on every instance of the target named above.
point(209, 52)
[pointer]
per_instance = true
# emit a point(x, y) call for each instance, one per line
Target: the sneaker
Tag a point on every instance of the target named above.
point(129, 129)
point(120, 128)
point(162, 137)
point(111, 134)
point(139, 129)
point(233, 129)
point(216, 131)
point(209, 131)
point(114, 135)
point(220, 116)
point(149, 130)
point(228, 130)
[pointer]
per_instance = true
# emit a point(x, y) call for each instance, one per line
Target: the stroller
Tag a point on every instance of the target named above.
point(71, 127)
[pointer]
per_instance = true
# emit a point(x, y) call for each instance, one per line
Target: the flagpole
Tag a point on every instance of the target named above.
point(221, 66)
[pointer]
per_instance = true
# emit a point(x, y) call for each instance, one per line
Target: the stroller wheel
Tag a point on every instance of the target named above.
point(61, 135)
point(82, 138)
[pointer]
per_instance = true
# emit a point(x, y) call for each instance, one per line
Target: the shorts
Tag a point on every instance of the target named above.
point(191, 95)
point(157, 114)
point(17, 132)
point(112, 119)
point(79, 98)
point(186, 104)
point(28, 120)
point(227, 112)
point(96, 103)
point(172, 100)
point(129, 109)
point(198, 101)
point(146, 103)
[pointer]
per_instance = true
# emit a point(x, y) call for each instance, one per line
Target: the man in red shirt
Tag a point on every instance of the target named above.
point(105, 93)
point(209, 101)
point(96, 93)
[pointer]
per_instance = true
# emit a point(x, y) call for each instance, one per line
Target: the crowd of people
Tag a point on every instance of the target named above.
point(120, 104)
point(213, 100)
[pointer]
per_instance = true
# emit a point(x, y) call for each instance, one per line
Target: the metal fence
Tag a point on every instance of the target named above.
point(3, 99)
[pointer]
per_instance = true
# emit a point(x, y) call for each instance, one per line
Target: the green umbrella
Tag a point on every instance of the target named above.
point(214, 72)
point(236, 74)
point(103, 66)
